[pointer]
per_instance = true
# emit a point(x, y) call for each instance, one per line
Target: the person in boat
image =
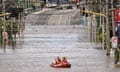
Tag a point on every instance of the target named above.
point(58, 60)
point(64, 60)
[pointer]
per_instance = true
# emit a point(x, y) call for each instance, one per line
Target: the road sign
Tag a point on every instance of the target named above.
point(114, 41)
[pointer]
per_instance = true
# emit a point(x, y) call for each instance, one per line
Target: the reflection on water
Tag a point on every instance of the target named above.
point(42, 41)
point(8, 45)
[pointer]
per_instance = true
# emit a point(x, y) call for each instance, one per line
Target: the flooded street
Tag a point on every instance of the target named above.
point(44, 38)
point(35, 52)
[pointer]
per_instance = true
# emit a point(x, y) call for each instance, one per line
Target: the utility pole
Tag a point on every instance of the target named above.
point(103, 35)
point(11, 26)
point(103, 28)
point(91, 32)
point(91, 28)
point(3, 11)
point(100, 12)
point(107, 32)
point(113, 18)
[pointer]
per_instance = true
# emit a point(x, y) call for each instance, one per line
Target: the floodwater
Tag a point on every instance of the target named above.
point(35, 52)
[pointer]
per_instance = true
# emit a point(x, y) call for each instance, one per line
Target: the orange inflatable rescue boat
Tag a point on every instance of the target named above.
point(61, 65)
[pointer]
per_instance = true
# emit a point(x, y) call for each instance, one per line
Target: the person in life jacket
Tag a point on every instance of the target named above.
point(57, 60)
point(64, 60)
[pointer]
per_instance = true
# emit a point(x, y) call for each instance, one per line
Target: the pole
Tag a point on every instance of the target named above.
point(113, 18)
point(11, 28)
point(102, 22)
point(91, 18)
point(103, 28)
point(107, 32)
point(91, 28)
point(94, 25)
point(19, 19)
point(100, 12)
point(3, 11)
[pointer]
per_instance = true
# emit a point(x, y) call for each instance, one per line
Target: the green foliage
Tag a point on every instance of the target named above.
point(116, 55)
point(0, 25)
point(8, 27)
point(1, 29)
point(99, 34)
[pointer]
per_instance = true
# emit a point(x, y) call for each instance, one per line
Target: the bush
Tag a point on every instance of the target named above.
point(99, 36)
point(8, 28)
